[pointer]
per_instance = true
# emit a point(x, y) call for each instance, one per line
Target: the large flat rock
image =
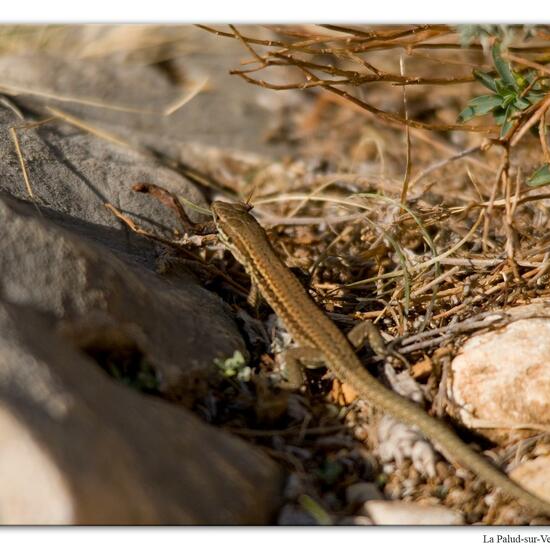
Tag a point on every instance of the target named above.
point(76, 447)
point(72, 174)
point(101, 302)
point(501, 380)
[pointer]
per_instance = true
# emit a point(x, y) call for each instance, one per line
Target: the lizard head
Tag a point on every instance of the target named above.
point(232, 221)
point(225, 212)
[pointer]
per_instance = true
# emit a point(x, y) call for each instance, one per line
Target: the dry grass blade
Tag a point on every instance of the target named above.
point(87, 127)
point(186, 98)
point(11, 90)
point(22, 163)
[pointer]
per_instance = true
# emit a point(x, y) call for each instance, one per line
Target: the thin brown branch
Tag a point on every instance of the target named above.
point(526, 62)
point(407, 175)
point(542, 108)
point(135, 228)
point(356, 78)
point(391, 117)
point(421, 134)
point(246, 44)
point(387, 35)
point(171, 201)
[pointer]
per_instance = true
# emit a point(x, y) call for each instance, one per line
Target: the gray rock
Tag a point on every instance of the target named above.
point(102, 303)
point(73, 174)
point(77, 447)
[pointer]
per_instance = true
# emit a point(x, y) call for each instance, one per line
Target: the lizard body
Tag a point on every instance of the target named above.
point(310, 327)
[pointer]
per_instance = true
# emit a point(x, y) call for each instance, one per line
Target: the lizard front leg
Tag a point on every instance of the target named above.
point(292, 360)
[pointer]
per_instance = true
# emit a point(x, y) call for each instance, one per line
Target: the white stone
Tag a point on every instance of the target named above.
point(534, 475)
point(384, 512)
point(502, 379)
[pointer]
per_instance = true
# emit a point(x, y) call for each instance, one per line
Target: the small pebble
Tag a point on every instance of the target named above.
point(456, 497)
point(442, 469)
point(294, 487)
point(361, 433)
point(474, 517)
point(451, 482)
point(355, 520)
point(422, 369)
point(428, 501)
point(358, 493)
point(409, 486)
point(294, 515)
point(409, 513)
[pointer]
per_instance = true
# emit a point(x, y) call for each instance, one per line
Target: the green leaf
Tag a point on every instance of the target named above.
point(479, 106)
point(502, 89)
point(503, 68)
point(507, 121)
point(499, 116)
point(508, 99)
point(540, 177)
point(467, 114)
point(486, 80)
point(521, 103)
point(485, 103)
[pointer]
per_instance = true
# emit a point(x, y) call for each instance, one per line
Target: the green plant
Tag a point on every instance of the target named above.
point(512, 94)
point(540, 177)
point(485, 34)
point(234, 367)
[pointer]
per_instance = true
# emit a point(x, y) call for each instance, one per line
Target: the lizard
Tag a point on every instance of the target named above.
point(246, 239)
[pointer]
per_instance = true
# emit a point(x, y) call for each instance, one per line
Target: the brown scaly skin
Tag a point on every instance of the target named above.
point(310, 327)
